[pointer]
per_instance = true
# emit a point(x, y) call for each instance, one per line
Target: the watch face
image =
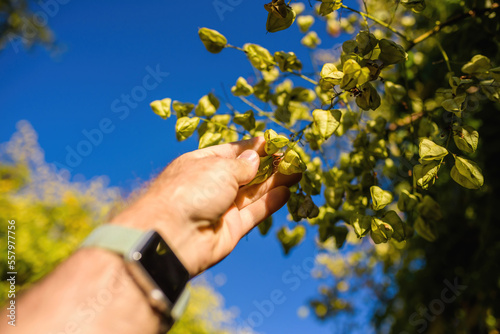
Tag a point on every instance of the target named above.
point(158, 260)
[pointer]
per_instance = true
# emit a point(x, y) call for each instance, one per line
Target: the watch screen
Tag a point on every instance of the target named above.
point(164, 267)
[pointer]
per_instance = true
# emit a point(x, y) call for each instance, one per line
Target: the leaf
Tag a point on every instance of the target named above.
point(478, 64)
point(391, 53)
point(162, 107)
point(380, 198)
point(291, 238)
point(361, 224)
point(331, 74)
point(307, 208)
point(407, 202)
point(242, 88)
point(291, 163)
point(354, 75)
point(311, 40)
point(394, 92)
point(247, 120)
point(467, 173)
point(326, 121)
point(366, 42)
point(209, 139)
point(416, 5)
point(328, 6)
point(274, 141)
point(454, 104)
point(214, 41)
point(305, 22)
point(466, 138)
point(185, 126)
point(311, 183)
point(401, 231)
point(280, 17)
point(429, 151)
point(430, 209)
point(265, 225)
point(369, 98)
point(207, 105)
point(259, 57)
point(334, 196)
point(265, 170)
point(380, 232)
point(182, 109)
point(426, 174)
point(425, 229)
point(287, 61)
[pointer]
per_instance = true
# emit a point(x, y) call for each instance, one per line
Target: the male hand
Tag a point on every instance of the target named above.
point(200, 206)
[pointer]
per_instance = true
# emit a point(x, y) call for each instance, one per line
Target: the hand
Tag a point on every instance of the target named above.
point(200, 206)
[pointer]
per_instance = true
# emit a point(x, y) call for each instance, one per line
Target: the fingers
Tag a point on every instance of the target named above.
point(233, 150)
point(244, 167)
point(265, 206)
point(250, 194)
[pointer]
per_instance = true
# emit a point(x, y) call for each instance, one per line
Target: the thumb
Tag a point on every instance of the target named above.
point(246, 166)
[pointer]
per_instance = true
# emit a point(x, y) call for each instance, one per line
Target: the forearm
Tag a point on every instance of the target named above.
point(91, 292)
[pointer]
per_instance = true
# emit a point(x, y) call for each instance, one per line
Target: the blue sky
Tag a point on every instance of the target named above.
point(117, 57)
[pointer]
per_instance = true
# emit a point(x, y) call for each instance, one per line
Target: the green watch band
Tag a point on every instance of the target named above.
point(130, 243)
point(115, 238)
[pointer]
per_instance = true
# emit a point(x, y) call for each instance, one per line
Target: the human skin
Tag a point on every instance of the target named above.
point(198, 204)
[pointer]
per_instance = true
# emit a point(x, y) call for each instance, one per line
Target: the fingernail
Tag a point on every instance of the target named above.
point(249, 155)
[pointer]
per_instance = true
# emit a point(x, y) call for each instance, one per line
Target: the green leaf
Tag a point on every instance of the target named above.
point(391, 53)
point(394, 92)
point(311, 40)
point(328, 6)
point(478, 64)
point(291, 163)
point(429, 151)
point(467, 173)
point(380, 198)
point(307, 208)
point(326, 121)
point(425, 229)
point(354, 75)
point(416, 5)
point(209, 139)
point(369, 98)
point(305, 22)
point(331, 74)
point(366, 42)
point(287, 61)
point(429, 209)
point(207, 105)
point(361, 224)
point(334, 196)
point(401, 231)
point(265, 225)
point(162, 107)
point(301, 94)
point(454, 104)
point(185, 126)
point(280, 17)
point(274, 141)
point(381, 231)
point(466, 138)
point(426, 174)
point(291, 238)
point(182, 109)
point(247, 120)
point(266, 168)
point(242, 88)
point(259, 57)
point(214, 41)
point(407, 202)
point(311, 183)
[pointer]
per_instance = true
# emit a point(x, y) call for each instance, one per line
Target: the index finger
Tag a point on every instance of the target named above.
point(233, 150)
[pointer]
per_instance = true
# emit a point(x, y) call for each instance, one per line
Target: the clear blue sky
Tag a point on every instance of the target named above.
point(109, 47)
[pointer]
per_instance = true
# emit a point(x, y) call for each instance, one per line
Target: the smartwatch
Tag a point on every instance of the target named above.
point(151, 263)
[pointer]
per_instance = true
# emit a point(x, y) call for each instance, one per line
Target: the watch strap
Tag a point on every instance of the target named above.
point(118, 239)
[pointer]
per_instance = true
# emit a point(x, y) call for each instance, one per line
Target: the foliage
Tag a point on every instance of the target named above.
point(53, 215)
point(412, 76)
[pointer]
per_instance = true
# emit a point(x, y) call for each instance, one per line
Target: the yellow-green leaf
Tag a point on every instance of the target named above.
point(242, 88)
point(209, 139)
point(354, 75)
point(429, 151)
point(259, 57)
point(185, 126)
point(280, 17)
point(247, 120)
point(425, 229)
point(380, 198)
point(466, 138)
point(291, 238)
point(213, 40)
point(305, 22)
point(291, 163)
point(207, 105)
point(265, 170)
point(478, 64)
point(426, 174)
point(326, 121)
point(274, 141)
point(182, 109)
point(311, 40)
point(391, 53)
point(381, 231)
point(162, 107)
point(361, 224)
point(331, 74)
point(467, 173)
point(287, 61)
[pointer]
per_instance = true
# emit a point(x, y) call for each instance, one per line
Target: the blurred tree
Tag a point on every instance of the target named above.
point(53, 215)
